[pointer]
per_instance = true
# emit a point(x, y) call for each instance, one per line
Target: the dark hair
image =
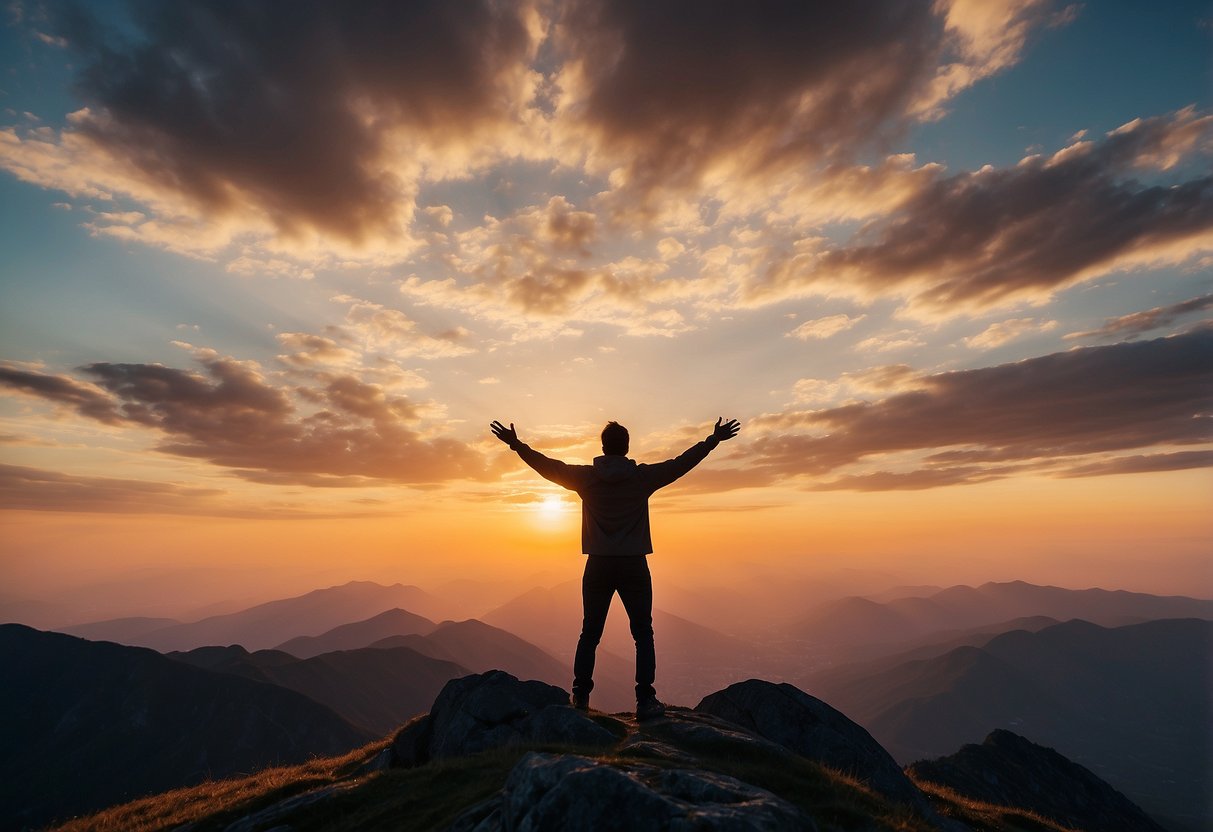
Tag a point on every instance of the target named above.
point(615, 439)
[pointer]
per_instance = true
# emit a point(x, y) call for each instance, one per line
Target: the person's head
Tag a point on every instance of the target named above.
point(615, 439)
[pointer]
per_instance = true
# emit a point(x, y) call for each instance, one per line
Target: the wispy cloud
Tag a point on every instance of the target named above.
point(1067, 412)
point(1002, 332)
point(820, 328)
point(1139, 323)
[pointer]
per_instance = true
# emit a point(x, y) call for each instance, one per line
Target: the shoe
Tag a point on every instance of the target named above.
point(649, 708)
point(581, 701)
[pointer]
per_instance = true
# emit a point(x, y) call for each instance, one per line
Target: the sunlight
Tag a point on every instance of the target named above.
point(551, 507)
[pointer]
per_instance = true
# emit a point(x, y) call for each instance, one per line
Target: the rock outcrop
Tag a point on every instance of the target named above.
point(1008, 770)
point(494, 710)
point(559, 792)
point(791, 718)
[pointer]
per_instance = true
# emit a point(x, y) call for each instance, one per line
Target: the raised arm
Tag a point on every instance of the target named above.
point(664, 473)
point(550, 469)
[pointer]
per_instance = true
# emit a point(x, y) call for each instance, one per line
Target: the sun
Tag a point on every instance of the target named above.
point(551, 506)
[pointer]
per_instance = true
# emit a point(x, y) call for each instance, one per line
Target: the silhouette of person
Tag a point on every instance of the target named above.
point(615, 536)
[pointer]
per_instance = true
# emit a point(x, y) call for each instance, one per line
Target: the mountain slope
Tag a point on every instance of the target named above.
point(1011, 771)
point(87, 724)
point(1132, 704)
point(275, 622)
point(377, 690)
point(393, 622)
point(480, 647)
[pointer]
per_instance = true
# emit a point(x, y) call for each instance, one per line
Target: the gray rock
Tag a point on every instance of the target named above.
point(411, 745)
point(568, 792)
point(494, 710)
point(787, 715)
point(638, 746)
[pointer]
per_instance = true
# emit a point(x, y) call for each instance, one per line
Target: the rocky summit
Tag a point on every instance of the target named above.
point(496, 754)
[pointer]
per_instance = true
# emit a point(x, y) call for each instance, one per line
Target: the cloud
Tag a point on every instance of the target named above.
point(1138, 323)
point(33, 489)
point(675, 97)
point(311, 350)
point(376, 327)
point(84, 398)
point(535, 273)
point(975, 240)
point(821, 328)
point(1002, 332)
point(290, 123)
point(231, 416)
point(1065, 412)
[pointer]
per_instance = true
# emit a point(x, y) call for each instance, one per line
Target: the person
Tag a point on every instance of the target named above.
point(615, 537)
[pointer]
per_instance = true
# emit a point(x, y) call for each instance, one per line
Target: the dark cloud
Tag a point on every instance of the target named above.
point(1138, 323)
point(1064, 409)
point(983, 237)
point(285, 105)
point(232, 417)
point(672, 88)
point(85, 399)
point(676, 85)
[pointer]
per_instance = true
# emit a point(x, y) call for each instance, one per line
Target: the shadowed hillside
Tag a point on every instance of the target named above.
point(377, 690)
point(1133, 704)
point(86, 724)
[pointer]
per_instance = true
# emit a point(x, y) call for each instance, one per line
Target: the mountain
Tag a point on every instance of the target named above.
point(376, 689)
point(87, 724)
point(1008, 770)
point(480, 647)
point(1133, 704)
point(393, 622)
point(121, 630)
point(926, 647)
point(691, 659)
point(753, 756)
point(850, 625)
point(275, 622)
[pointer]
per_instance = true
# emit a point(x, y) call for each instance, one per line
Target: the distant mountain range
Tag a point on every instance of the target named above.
point(859, 627)
point(86, 724)
point(1133, 704)
point(363, 633)
point(270, 624)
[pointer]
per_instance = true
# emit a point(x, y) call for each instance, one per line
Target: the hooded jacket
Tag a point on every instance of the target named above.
point(615, 494)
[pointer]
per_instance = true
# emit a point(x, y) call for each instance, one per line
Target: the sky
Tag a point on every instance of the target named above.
point(270, 269)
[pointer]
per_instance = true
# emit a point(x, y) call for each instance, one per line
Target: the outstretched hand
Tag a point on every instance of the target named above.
point(507, 435)
point(724, 430)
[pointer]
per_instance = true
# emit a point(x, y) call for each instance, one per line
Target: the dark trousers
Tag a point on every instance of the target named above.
point(604, 576)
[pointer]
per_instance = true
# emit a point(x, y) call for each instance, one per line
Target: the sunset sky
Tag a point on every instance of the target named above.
point(270, 269)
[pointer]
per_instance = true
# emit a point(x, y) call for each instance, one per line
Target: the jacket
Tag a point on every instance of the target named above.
point(615, 494)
